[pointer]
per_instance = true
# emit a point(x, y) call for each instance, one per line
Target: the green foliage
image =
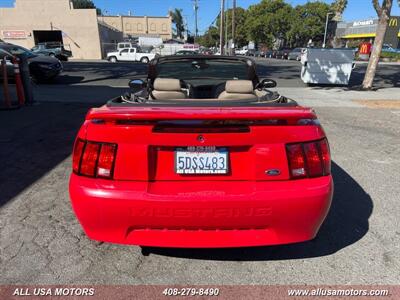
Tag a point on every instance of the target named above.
point(391, 56)
point(273, 20)
point(269, 20)
point(338, 7)
point(210, 38)
point(177, 19)
point(82, 4)
point(240, 31)
point(308, 23)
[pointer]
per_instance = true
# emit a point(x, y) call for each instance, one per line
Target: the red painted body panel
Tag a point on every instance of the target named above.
point(201, 214)
point(148, 204)
point(218, 113)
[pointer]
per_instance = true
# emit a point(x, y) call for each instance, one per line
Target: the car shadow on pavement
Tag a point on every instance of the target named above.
point(97, 72)
point(33, 141)
point(346, 223)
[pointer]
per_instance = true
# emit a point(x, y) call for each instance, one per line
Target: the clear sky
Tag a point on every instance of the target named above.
point(208, 9)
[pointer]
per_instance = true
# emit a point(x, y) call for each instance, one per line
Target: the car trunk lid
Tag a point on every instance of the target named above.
point(151, 140)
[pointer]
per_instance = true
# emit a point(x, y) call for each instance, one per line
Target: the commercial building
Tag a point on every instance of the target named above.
point(135, 26)
point(365, 31)
point(30, 22)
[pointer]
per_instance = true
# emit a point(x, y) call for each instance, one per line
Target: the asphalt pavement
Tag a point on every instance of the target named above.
point(285, 72)
point(41, 242)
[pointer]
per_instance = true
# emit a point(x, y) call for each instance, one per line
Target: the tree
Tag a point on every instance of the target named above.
point(268, 21)
point(307, 22)
point(210, 38)
point(338, 7)
point(84, 4)
point(240, 31)
point(177, 19)
point(383, 12)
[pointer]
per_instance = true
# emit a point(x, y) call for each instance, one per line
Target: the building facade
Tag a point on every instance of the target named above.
point(34, 21)
point(135, 26)
point(31, 22)
point(364, 31)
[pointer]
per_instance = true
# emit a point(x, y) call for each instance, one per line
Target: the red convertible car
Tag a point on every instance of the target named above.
point(201, 153)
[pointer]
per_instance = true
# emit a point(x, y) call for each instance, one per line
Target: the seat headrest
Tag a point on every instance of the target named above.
point(167, 84)
point(239, 86)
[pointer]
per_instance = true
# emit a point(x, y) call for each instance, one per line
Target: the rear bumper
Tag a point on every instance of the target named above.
point(201, 214)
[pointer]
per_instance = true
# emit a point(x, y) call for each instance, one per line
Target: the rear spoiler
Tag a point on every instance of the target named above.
point(199, 113)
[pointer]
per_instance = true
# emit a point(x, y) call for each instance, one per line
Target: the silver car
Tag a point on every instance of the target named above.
point(295, 54)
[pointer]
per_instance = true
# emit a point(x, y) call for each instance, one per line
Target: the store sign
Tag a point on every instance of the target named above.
point(363, 23)
point(14, 34)
point(191, 46)
point(365, 48)
point(392, 31)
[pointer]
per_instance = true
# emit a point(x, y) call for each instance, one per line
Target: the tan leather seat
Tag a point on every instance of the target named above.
point(238, 90)
point(167, 89)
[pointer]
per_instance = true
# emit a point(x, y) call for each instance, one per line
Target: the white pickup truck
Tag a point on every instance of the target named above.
point(130, 54)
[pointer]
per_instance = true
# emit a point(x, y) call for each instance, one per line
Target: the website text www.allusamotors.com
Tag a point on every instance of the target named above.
point(320, 292)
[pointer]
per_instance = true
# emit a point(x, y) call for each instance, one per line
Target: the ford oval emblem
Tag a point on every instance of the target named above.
point(273, 172)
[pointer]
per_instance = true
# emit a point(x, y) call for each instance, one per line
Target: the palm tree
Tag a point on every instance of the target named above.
point(177, 19)
point(339, 6)
point(383, 11)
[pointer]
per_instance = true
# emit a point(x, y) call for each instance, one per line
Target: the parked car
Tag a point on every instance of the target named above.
point(206, 52)
point(41, 68)
point(201, 154)
point(295, 54)
point(268, 53)
point(283, 53)
point(125, 45)
point(53, 50)
point(186, 52)
point(130, 54)
point(242, 52)
point(390, 49)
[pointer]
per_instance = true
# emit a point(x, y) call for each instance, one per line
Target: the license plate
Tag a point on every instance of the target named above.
point(201, 160)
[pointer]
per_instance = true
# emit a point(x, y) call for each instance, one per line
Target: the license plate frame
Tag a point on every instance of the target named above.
point(204, 152)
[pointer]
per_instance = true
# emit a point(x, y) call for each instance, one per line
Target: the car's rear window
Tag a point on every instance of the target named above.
point(203, 69)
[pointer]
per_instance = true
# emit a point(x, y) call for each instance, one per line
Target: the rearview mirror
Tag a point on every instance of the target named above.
point(136, 84)
point(267, 83)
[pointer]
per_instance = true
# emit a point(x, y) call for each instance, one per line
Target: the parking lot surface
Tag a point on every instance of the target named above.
point(41, 242)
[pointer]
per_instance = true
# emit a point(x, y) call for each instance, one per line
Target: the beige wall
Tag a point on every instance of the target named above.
point(79, 26)
point(140, 26)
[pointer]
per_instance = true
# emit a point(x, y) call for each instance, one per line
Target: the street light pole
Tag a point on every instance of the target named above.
point(326, 29)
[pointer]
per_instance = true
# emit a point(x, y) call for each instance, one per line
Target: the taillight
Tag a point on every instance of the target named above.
point(106, 160)
point(296, 160)
point(311, 159)
point(89, 159)
point(326, 156)
point(94, 159)
point(77, 155)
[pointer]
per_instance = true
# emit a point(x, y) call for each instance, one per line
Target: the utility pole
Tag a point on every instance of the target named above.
point(233, 27)
point(196, 8)
point(221, 28)
point(226, 29)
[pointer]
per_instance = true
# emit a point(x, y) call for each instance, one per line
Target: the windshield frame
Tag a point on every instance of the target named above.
point(249, 66)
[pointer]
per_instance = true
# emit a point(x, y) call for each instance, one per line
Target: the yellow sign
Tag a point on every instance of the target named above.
point(393, 22)
point(364, 49)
